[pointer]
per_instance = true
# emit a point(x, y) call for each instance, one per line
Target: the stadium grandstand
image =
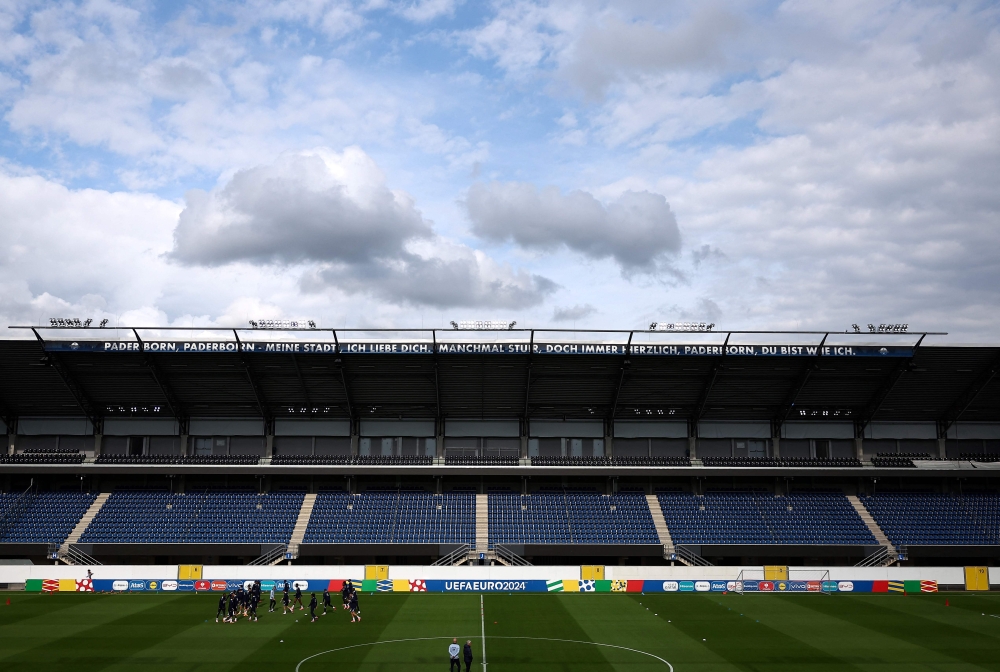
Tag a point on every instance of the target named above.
point(517, 446)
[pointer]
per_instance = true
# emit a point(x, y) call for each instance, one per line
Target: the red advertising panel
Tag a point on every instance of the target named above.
point(218, 585)
point(766, 586)
point(814, 586)
point(634, 587)
point(880, 586)
point(203, 585)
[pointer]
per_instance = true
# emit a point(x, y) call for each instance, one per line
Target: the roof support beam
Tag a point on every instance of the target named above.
point(968, 395)
point(83, 400)
point(882, 393)
point(302, 382)
point(527, 382)
point(437, 384)
point(706, 390)
point(258, 395)
point(173, 403)
point(343, 376)
point(793, 394)
point(626, 363)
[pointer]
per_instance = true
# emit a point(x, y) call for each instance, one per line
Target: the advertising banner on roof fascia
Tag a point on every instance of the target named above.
point(359, 348)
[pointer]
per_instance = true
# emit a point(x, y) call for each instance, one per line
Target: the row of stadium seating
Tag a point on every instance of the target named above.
point(762, 518)
point(928, 519)
point(981, 457)
point(34, 458)
point(888, 460)
point(780, 462)
point(483, 460)
point(46, 517)
point(50, 451)
point(548, 517)
point(392, 517)
point(570, 518)
point(177, 459)
point(195, 517)
point(896, 460)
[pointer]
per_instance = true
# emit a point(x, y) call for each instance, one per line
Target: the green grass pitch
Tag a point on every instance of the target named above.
point(692, 632)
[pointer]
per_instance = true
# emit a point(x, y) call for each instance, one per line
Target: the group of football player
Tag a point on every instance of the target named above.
point(243, 602)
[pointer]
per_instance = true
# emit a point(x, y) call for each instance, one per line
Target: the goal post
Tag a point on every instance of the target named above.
point(799, 580)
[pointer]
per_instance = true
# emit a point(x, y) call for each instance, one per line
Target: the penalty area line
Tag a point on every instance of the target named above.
point(537, 639)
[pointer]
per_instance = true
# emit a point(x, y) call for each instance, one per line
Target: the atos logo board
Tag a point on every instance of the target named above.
point(720, 586)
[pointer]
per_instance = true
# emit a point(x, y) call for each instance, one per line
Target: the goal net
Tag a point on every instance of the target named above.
point(783, 580)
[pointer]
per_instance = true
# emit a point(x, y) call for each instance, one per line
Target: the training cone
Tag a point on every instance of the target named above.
point(945, 602)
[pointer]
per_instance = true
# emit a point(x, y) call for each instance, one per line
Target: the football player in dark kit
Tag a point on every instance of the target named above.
point(345, 592)
point(326, 600)
point(254, 600)
point(312, 608)
point(298, 598)
point(467, 654)
point(232, 607)
point(355, 609)
point(222, 608)
point(285, 605)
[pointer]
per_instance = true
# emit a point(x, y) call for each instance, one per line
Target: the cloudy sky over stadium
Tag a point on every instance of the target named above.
point(794, 165)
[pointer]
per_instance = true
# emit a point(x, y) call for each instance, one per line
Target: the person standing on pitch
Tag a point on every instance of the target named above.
point(453, 650)
point(273, 602)
point(285, 604)
point(326, 600)
point(355, 609)
point(298, 598)
point(467, 654)
point(222, 608)
point(312, 608)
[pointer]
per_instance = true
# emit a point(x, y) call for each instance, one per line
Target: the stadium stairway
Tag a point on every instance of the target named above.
point(482, 523)
point(301, 523)
point(889, 555)
point(65, 554)
point(662, 531)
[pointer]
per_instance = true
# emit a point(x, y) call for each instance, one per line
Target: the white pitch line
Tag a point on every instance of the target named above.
point(540, 639)
point(482, 624)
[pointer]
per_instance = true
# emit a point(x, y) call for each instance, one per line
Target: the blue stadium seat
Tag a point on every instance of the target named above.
point(914, 518)
point(49, 517)
point(384, 517)
point(142, 517)
point(761, 518)
point(570, 518)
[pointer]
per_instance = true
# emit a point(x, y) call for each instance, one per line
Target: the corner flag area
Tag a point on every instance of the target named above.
point(84, 632)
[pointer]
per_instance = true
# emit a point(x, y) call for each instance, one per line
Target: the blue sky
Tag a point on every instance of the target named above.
point(783, 165)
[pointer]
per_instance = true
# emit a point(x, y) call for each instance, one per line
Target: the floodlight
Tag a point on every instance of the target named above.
point(483, 325)
point(682, 326)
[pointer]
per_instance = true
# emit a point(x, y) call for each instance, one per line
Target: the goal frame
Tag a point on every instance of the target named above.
point(796, 576)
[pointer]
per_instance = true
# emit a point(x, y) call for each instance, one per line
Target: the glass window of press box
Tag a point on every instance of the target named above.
point(396, 445)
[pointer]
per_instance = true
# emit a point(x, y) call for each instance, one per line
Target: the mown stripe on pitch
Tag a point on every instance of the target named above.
point(745, 641)
point(927, 641)
point(126, 633)
point(540, 615)
point(425, 615)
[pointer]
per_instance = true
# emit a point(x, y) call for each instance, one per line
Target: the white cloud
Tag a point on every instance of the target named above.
point(637, 230)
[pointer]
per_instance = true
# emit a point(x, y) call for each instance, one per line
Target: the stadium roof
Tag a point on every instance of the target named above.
point(770, 376)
